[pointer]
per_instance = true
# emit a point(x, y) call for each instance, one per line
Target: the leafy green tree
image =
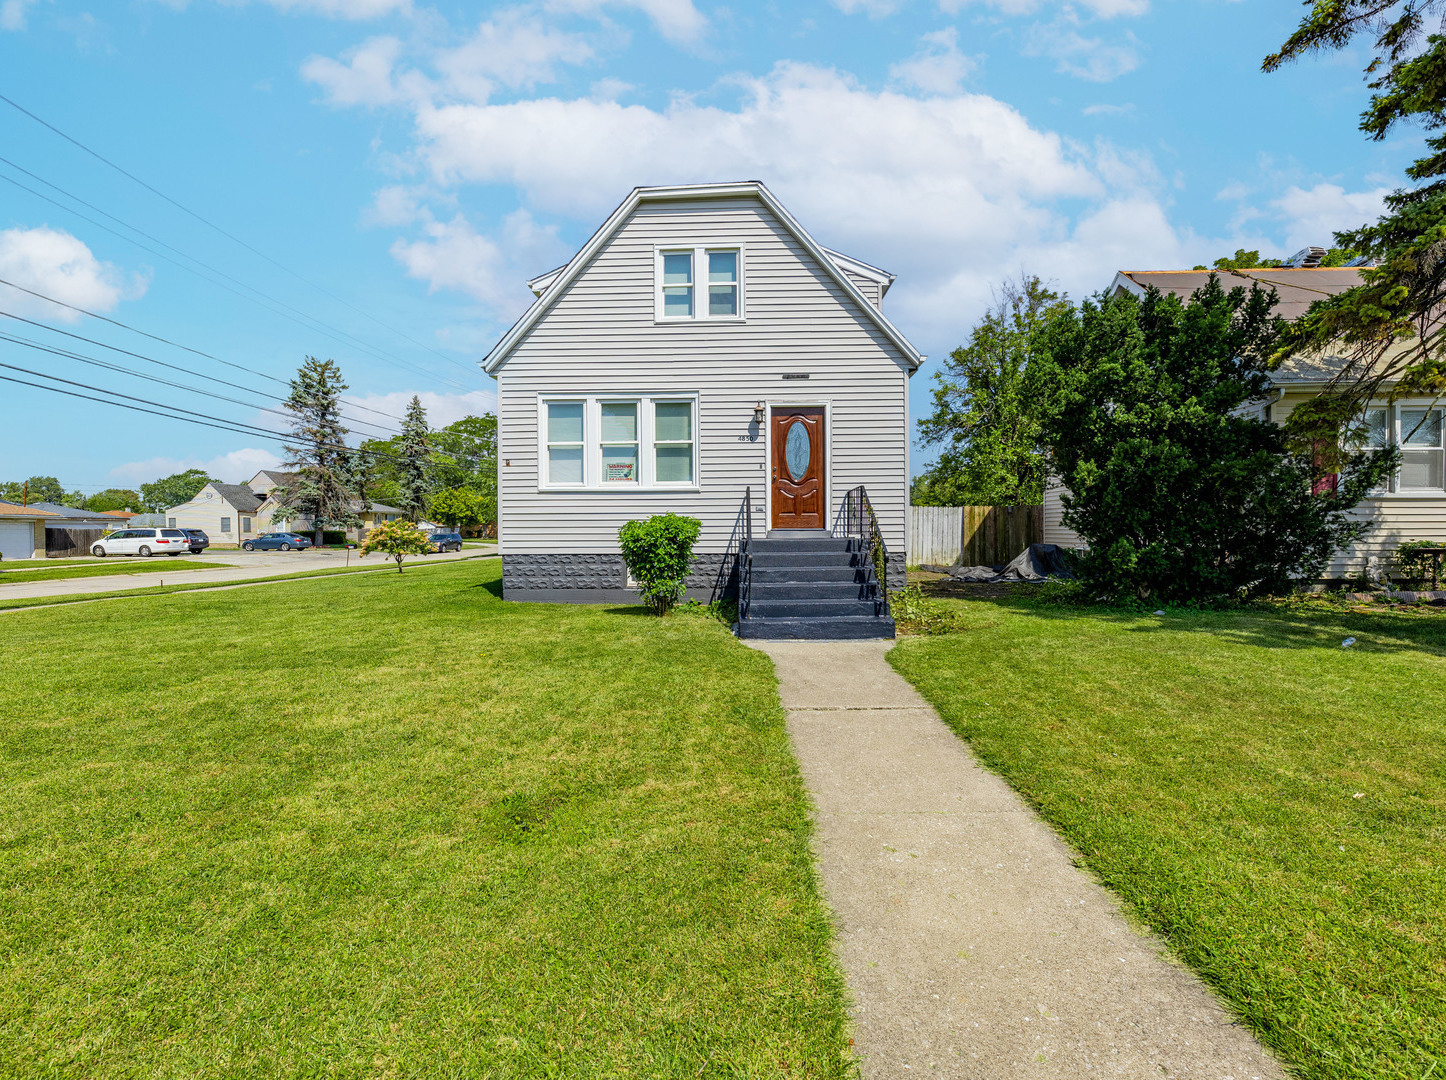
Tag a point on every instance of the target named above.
point(1181, 490)
point(459, 508)
point(414, 472)
point(173, 490)
point(466, 454)
point(1387, 330)
point(39, 489)
point(396, 540)
point(114, 499)
point(326, 468)
point(1253, 260)
point(984, 416)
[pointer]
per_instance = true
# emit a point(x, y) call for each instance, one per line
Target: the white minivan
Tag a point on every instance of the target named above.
point(143, 542)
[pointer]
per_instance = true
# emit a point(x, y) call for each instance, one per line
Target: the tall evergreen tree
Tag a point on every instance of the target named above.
point(1389, 330)
point(414, 473)
point(325, 466)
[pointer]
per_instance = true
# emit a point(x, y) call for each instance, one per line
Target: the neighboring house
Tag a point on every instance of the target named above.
point(71, 531)
point(1413, 505)
point(267, 480)
point(699, 347)
point(123, 516)
point(225, 512)
point(22, 531)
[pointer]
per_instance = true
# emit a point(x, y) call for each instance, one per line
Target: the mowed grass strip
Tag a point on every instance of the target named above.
point(1271, 803)
point(107, 569)
point(390, 825)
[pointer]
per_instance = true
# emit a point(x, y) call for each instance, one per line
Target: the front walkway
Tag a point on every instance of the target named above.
point(973, 945)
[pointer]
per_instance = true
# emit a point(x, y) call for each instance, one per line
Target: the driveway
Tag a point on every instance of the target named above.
point(229, 566)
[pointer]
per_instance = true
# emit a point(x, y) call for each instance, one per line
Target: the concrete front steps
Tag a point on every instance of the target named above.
point(813, 586)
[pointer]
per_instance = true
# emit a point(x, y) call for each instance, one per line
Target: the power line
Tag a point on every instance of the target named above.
point(162, 363)
point(188, 416)
point(296, 315)
point(235, 239)
point(173, 344)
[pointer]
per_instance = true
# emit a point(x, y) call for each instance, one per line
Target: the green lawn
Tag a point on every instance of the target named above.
point(42, 572)
point(387, 825)
point(1271, 803)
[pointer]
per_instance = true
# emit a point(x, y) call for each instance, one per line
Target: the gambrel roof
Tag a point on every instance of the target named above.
point(554, 283)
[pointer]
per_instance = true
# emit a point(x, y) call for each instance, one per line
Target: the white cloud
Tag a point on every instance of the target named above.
point(12, 14)
point(1108, 110)
point(950, 191)
point(344, 9)
point(1313, 215)
point(1091, 58)
point(453, 255)
point(874, 9)
point(442, 409)
point(54, 263)
point(235, 467)
point(677, 20)
point(514, 49)
point(1102, 9)
point(938, 67)
point(368, 75)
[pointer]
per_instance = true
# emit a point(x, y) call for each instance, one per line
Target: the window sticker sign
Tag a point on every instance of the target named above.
point(619, 470)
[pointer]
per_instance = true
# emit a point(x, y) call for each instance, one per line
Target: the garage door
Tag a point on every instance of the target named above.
point(17, 539)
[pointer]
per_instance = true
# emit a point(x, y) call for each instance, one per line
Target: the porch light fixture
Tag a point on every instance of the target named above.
point(758, 413)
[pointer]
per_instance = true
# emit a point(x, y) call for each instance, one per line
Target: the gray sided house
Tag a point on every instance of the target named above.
point(701, 353)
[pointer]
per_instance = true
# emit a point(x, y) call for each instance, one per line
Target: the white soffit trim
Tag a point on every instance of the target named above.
point(563, 277)
point(1124, 283)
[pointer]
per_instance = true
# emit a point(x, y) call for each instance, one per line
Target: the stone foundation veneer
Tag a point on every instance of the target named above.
point(600, 579)
point(603, 579)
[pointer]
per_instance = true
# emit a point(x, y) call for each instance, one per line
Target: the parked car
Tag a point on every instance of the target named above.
point(446, 541)
point(143, 542)
point(278, 541)
point(199, 540)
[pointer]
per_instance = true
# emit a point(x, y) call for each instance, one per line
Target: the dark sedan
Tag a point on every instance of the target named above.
point(445, 541)
point(198, 539)
point(282, 541)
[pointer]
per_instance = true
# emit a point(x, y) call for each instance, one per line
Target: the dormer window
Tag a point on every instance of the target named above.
point(699, 283)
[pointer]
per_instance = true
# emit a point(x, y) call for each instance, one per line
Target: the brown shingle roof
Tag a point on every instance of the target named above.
point(16, 510)
point(1297, 288)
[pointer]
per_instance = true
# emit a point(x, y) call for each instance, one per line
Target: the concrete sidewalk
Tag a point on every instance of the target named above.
point(243, 566)
point(972, 944)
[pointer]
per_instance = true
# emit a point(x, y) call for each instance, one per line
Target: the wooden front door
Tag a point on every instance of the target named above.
point(797, 447)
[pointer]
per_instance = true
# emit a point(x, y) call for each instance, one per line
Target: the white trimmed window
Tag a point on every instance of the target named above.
point(619, 441)
point(604, 442)
point(673, 442)
point(699, 283)
point(565, 430)
point(1418, 431)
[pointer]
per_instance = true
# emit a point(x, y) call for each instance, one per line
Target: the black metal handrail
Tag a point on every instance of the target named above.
point(745, 557)
point(857, 521)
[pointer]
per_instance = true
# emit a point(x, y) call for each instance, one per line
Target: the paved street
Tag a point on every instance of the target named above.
point(226, 566)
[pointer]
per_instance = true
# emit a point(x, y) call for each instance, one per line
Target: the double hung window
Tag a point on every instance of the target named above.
point(699, 283)
point(614, 441)
point(1418, 431)
point(565, 443)
point(1421, 450)
point(619, 442)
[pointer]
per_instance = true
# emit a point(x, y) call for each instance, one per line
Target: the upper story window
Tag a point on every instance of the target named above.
point(699, 283)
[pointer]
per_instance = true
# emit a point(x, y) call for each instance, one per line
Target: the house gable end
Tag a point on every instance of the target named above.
point(610, 284)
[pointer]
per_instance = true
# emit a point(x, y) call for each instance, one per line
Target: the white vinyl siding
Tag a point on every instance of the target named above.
point(602, 338)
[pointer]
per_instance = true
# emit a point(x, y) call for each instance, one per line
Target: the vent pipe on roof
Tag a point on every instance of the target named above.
point(1306, 258)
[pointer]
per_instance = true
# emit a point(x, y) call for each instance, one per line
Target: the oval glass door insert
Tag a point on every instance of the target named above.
point(797, 450)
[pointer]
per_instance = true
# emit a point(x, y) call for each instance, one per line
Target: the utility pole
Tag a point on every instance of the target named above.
point(25, 497)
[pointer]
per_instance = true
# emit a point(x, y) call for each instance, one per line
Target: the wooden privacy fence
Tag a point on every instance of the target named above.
point(972, 535)
point(63, 543)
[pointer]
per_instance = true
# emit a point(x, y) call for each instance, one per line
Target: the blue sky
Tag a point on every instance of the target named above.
point(390, 171)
